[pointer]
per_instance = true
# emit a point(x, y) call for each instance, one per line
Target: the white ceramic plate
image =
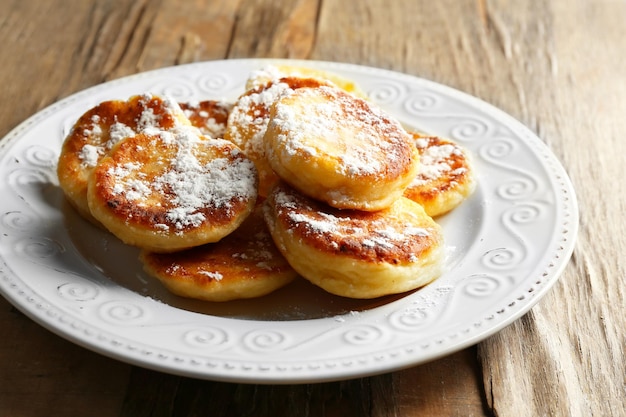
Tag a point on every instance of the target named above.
point(506, 246)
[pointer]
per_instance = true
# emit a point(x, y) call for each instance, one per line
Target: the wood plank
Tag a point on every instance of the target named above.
point(438, 388)
point(444, 387)
point(43, 374)
point(558, 66)
point(270, 29)
point(103, 41)
point(567, 356)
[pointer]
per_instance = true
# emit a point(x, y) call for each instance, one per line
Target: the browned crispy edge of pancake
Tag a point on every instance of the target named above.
point(344, 244)
point(443, 194)
point(245, 264)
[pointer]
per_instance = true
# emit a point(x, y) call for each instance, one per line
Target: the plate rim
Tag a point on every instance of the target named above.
point(37, 312)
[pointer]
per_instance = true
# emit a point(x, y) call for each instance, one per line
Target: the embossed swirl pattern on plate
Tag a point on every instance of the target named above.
point(411, 319)
point(74, 291)
point(38, 248)
point(483, 285)
point(364, 334)
point(20, 221)
point(123, 312)
point(387, 92)
point(213, 86)
point(40, 156)
point(206, 337)
point(21, 177)
point(520, 203)
point(266, 341)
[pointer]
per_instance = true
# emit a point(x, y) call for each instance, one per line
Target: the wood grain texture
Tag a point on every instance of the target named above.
point(42, 374)
point(558, 66)
point(437, 388)
point(567, 355)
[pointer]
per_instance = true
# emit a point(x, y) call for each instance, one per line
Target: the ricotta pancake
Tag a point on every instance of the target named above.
point(445, 177)
point(99, 129)
point(245, 264)
point(272, 73)
point(353, 253)
point(210, 116)
point(339, 149)
point(172, 190)
point(248, 119)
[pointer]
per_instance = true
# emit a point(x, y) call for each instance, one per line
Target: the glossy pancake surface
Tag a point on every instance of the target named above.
point(445, 177)
point(172, 190)
point(354, 253)
point(340, 149)
point(245, 264)
point(99, 129)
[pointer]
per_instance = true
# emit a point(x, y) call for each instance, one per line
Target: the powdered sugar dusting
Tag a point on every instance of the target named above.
point(375, 232)
point(147, 122)
point(251, 112)
point(361, 137)
point(117, 132)
point(264, 75)
point(90, 155)
point(214, 275)
point(190, 184)
point(436, 160)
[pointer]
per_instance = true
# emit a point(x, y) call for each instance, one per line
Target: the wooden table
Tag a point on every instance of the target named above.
point(558, 66)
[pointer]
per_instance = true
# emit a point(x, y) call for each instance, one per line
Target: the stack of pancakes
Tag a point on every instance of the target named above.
point(300, 176)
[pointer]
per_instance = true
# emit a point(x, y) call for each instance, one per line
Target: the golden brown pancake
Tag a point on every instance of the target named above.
point(99, 129)
point(210, 116)
point(339, 149)
point(445, 177)
point(172, 190)
point(353, 253)
point(245, 264)
point(248, 121)
point(272, 73)
point(350, 192)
